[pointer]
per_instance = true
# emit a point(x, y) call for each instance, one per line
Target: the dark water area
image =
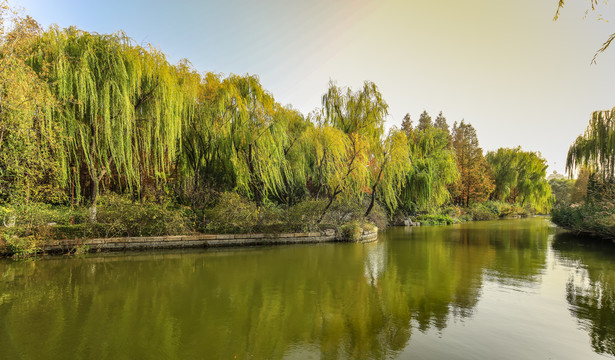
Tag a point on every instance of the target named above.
point(508, 289)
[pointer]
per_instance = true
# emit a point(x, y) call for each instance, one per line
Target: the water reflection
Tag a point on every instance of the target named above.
point(326, 301)
point(590, 291)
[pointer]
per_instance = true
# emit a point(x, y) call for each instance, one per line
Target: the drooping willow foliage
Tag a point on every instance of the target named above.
point(596, 147)
point(519, 177)
point(121, 108)
point(434, 169)
point(85, 113)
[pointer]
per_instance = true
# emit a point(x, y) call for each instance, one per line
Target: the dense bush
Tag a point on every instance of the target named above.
point(304, 216)
point(595, 219)
point(232, 214)
point(483, 211)
point(26, 227)
point(342, 212)
point(123, 217)
point(351, 231)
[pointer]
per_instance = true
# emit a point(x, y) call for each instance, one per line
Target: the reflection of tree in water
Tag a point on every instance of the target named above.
point(329, 301)
point(442, 268)
point(590, 291)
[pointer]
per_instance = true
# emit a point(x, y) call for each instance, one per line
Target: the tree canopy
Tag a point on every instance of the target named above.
point(83, 114)
point(519, 177)
point(475, 181)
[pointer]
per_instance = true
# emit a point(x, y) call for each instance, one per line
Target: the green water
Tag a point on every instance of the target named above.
point(509, 289)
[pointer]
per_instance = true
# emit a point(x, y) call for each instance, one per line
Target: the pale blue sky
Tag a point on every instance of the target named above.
point(504, 66)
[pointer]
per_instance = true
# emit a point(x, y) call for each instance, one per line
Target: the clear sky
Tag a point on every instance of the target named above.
point(504, 66)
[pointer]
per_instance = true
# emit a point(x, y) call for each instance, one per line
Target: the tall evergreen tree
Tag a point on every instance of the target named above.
point(441, 124)
point(424, 122)
point(406, 126)
point(475, 182)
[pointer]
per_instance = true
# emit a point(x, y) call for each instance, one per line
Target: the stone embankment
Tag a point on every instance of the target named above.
point(201, 240)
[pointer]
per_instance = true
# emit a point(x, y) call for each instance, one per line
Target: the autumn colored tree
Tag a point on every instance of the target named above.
point(579, 191)
point(475, 182)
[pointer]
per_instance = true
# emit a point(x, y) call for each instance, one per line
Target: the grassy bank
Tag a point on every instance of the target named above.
point(27, 228)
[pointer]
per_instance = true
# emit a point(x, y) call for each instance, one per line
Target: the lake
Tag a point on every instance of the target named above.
point(508, 289)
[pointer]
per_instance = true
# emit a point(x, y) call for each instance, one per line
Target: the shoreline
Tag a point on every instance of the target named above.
point(68, 246)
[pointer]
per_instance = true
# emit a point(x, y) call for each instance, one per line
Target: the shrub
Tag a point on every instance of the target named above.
point(271, 219)
point(483, 211)
point(351, 231)
point(232, 214)
point(342, 212)
point(597, 219)
point(21, 247)
point(122, 217)
point(304, 216)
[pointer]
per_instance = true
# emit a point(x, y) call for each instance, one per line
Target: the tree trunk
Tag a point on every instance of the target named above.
point(371, 204)
point(255, 183)
point(93, 211)
point(335, 194)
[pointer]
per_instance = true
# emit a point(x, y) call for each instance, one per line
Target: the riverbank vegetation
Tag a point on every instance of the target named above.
point(102, 137)
point(592, 210)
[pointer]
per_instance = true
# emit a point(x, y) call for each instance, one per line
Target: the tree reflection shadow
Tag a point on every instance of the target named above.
point(590, 291)
point(329, 301)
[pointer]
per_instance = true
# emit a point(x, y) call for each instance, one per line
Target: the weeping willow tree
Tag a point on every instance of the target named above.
point(361, 112)
point(593, 5)
point(204, 160)
point(595, 149)
point(120, 107)
point(256, 140)
point(327, 155)
point(388, 167)
point(30, 152)
point(434, 168)
point(520, 177)
point(360, 116)
point(296, 151)
point(338, 165)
